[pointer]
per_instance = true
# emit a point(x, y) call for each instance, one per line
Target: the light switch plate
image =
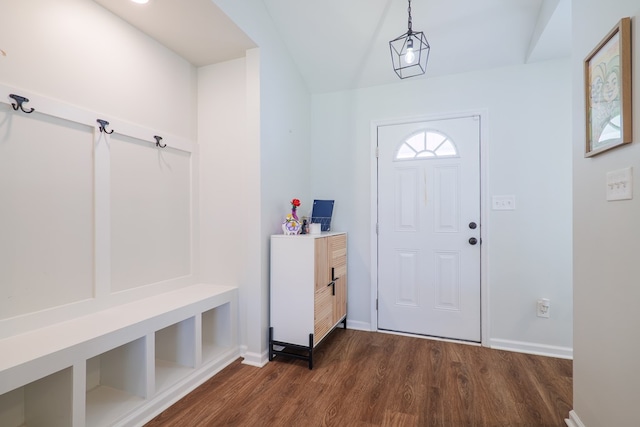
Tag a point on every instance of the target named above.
point(503, 203)
point(620, 184)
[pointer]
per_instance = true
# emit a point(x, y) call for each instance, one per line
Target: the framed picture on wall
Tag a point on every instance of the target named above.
point(607, 87)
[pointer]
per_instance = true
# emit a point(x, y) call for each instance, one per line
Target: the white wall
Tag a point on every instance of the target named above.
point(79, 53)
point(76, 52)
point(229, 177)
point(606, 235)
point(529, 155)
point(281, 109)
point(224, 178)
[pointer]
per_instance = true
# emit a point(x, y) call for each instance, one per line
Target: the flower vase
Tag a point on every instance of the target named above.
point(291, 224)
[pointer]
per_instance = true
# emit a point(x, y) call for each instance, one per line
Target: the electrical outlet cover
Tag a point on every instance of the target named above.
point(543, 307)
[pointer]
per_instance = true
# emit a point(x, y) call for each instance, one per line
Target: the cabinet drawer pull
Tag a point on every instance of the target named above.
point(333, 289)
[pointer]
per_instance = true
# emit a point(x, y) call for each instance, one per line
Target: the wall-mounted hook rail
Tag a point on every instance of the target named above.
point(103, 126)
point(18, 104)
point(158, 139)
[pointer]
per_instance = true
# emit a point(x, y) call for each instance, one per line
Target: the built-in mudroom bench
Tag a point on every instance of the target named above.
point(103, 319)
point(119, 366)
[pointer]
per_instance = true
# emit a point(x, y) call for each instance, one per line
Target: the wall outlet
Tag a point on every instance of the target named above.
point(543, 307)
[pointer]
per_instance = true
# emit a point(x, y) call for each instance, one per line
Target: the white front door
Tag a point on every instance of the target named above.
point(429, 228)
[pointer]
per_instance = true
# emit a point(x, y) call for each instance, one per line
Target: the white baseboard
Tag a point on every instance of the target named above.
point(573, 420)
point(532, 348)
point(255, 359)
point(358, 326)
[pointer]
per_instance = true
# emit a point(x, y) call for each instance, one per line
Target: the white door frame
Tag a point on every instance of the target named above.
point(484, 211)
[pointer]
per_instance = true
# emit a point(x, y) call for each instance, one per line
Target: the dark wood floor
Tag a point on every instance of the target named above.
point(374, 379)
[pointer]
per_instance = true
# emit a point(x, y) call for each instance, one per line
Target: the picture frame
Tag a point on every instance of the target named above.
point(607, 87)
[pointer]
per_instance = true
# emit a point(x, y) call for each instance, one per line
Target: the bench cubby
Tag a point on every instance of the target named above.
point(44, 402)
point(116, 383)
point(175, 351)
point(216, 336)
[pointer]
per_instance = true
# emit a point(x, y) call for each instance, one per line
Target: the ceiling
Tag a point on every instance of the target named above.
point(343, 44)
point(200, 33)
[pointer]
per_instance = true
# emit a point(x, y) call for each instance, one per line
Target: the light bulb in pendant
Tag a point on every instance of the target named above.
point(410, 56)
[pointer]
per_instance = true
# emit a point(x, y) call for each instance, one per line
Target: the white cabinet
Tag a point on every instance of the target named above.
point(308, 293)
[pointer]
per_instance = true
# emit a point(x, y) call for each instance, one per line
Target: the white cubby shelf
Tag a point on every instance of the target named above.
point(120, 366)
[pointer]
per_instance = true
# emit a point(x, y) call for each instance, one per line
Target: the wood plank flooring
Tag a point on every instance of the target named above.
point(374, 379)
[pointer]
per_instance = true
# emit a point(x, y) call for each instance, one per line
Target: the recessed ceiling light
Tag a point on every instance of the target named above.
point(140, 1)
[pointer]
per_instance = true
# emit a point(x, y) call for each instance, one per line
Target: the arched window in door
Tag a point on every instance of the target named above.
point(426, 144)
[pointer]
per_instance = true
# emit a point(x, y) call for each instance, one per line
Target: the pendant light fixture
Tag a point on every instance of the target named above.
point(410, 52)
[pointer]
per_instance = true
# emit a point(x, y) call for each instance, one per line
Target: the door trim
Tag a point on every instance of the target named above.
point(484, 212)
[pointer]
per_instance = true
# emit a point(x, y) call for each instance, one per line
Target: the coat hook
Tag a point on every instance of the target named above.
point(18, 104)
point(158, 139)
point(103, 126)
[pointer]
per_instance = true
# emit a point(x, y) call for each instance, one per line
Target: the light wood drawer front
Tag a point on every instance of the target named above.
point(338, 249)
point(323, 313)
point(322, 269)
point(338, 255)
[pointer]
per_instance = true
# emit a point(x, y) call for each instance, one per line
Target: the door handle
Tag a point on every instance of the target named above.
point(333, 274)
point(473, 241)
point(472, 225)
point(333, 289)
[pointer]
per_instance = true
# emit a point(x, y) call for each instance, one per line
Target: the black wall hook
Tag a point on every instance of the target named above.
point(103, 126)
point(158, 139)
point(18, 104)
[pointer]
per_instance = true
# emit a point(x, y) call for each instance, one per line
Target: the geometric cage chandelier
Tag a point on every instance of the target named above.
point(410, 52)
